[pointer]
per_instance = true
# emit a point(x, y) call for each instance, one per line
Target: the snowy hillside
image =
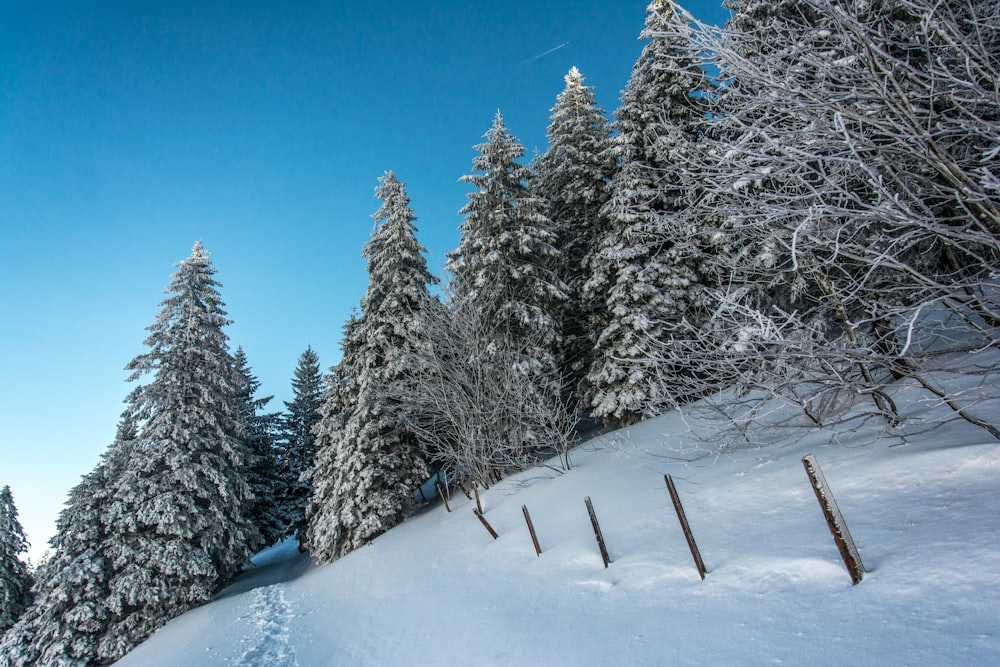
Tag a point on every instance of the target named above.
point(921, 505)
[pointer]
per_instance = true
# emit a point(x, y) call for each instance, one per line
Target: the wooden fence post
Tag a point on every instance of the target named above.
point(486, 523)
point(479, 505)
point(440, 491)
point(834, 520)
point(531, 529)
point(597, 531)
point(684, 525)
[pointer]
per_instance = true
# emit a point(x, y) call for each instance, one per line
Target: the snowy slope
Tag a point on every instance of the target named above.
point(439, 590)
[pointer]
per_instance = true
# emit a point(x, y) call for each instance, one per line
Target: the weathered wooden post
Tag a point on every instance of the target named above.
point(479, 505)
point(597, 531)
point(531, 529)
point(486, 523)
point(440, 491)
point(684, 525)
point(834, 520)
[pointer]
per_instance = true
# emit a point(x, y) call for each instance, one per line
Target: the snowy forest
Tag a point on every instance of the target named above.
point(786, 206)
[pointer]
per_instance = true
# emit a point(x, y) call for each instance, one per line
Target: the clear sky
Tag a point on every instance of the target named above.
point(129, 130)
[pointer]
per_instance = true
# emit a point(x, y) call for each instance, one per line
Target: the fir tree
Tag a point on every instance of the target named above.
point(176, 520)
point(645, 271)
point(508, 245)
point(263, 472)
point(299, 441)
point(324, 534)
point(507, 258)
point(15, 580)
point(70, 616)
point(378, 462)
point(572, 177)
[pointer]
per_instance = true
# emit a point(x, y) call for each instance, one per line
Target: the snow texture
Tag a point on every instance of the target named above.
point(920, 504)
point(269, 645)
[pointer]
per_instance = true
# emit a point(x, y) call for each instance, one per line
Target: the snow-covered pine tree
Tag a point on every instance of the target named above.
point(69, 617)
point(177, 519)
point(379, 462)
point(646, 271)
point(507, 257)
point(263, 471)
point(15, 580)
point(571, 178)
point(298, 448)
point(324, 528)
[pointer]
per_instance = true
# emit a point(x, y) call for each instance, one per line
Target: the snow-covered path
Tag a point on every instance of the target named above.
point(270, 616)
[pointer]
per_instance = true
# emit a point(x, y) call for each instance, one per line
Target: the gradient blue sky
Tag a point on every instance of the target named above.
point(131, 129)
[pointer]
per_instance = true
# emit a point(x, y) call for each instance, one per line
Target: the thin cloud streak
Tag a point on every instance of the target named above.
point(545, 53)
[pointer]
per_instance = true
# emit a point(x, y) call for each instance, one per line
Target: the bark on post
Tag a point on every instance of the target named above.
point(699, 563)
point(597, 531)
point(531, 529)
point(440, 491)
point(482, 519)
point(834, 520)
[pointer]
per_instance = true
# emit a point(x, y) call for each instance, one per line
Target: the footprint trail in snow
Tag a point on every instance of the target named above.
point(269, 642)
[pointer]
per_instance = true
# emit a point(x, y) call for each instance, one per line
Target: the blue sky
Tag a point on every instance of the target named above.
point(129, 130)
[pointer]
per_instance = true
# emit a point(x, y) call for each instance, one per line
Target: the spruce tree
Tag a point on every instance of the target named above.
point(70, 616)
point(263, 471)
point(298, 446)
point(378, 462)
point(571, 178)
point(325, 533)
point(15, 580)
point(507, 257)
point(645, 272)
point(177, 517)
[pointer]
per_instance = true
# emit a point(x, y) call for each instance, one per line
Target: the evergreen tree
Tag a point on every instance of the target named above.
point(176, 519)
point(646, 271)
point(70, 616)
point(299, 441)
point(506, 258)
point(263, 472)
point(378, 462)
point(572, 177)
point(325, 534)
point(15, 580)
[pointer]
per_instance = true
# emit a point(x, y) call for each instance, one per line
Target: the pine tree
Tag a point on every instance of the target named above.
point(70, 616)
point(176, 521)
point(15, 580)
point(646, 272)
point(378, 462)
point(324, 535)
point(263, 471)
point(507, 258)
point(298, 446)
point(572, 177)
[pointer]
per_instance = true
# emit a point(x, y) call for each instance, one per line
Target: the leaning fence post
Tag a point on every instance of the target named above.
point(486, 523)
point(597, 531)
point(531, 529)
point(479, 505)
point(684, 525)
point(834, 520)
point(440, 491)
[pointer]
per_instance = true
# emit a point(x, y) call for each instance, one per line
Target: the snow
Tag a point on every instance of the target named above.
point(920, 503)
